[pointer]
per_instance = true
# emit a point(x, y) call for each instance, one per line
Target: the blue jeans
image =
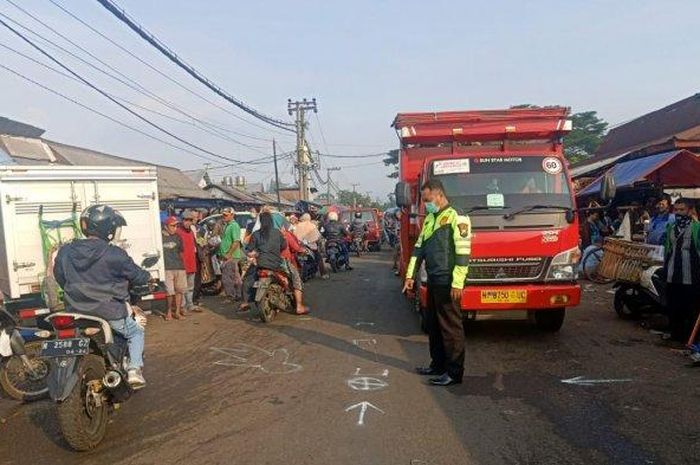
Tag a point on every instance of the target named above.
point(135, 336)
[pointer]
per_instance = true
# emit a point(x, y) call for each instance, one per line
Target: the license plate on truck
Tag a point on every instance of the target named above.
point(66, 347)
point(504, 296)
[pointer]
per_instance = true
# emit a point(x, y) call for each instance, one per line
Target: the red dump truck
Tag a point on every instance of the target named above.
point(506, 170)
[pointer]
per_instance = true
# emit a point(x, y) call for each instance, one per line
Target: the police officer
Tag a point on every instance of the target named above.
point(444, 245)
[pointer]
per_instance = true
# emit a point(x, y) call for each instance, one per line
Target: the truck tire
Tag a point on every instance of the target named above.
point(84, 424)
point(550, 321)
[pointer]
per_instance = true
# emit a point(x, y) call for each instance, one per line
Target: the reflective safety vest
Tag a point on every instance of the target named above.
point(444, 245)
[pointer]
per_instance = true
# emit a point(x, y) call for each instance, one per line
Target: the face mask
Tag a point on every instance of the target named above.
point(431, 207)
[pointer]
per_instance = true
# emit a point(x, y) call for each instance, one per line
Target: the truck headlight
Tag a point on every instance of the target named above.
point(564, 266)
point(422, 274)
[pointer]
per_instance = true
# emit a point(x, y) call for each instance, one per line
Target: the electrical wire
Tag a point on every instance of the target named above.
point(113, 100)
point(68, 76)
point(175, 81)
point(123, 79)
point(120, 14)
point(104, 115)
point(369, 155)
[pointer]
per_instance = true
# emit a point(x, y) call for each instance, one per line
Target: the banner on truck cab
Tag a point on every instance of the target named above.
point(458, 166)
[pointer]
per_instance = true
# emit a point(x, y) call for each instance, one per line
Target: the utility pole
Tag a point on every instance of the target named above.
point(328, 183)
point(277, 176)
point(299, 108)
point(354, 196)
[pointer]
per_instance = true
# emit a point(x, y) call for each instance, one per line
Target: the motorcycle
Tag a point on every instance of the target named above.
point(334, 255)
point(308, 265)
point(88, 370)
point(632, 300)
point(23, 373)
point(273, 293)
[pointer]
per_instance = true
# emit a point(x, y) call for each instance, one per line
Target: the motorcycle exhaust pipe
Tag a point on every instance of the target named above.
point(117, 386)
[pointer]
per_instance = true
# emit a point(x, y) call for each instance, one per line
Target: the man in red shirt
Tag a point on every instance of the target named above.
point(189, 258)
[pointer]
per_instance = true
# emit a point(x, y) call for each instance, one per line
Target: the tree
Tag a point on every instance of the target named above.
point(585, 137)
point(345, 197)
point(392, 159)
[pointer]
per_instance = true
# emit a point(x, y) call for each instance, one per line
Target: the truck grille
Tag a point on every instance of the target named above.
point(505, 269)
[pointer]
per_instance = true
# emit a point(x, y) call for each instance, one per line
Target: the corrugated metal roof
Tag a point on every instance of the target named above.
point(27, 147)
point(30, 151)
point(652, 128)
point(583, 169)
point(15, 128)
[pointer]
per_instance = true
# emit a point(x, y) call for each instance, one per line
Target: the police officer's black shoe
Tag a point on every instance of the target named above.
point(428, 371)
point(444, 380)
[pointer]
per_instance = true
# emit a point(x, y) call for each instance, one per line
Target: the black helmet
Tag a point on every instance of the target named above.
point(358, 214)
point(101, 221)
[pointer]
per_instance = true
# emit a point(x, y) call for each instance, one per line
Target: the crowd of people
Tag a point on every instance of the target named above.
point(201, 248)
point(661, 222)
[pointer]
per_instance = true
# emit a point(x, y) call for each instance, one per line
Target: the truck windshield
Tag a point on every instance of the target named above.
point(503, 183)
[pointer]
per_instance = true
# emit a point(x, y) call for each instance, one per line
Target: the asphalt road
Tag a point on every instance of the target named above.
point(227, 390)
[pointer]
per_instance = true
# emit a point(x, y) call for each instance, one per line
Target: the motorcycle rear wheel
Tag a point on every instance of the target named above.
point(266, 310)
point(18, 382)
point(82, 422)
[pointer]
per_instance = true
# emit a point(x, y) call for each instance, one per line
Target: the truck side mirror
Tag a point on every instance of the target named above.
point(402, 192)
point(608, 188)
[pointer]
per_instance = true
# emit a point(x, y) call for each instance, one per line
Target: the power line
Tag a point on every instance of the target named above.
point(97, 112)
point(120, 14)
point(68, 76)
point(113, 100)
point(173, 80)
point(369, 155)
point(124, 79)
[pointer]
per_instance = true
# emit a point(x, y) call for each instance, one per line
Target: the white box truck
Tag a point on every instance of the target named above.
point(57, 195)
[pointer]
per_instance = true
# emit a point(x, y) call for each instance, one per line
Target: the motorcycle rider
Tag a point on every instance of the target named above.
point(96, 275)
point(335, 231)
point(359, 228)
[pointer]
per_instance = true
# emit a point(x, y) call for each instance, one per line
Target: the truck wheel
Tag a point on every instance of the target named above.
point(550, 321)
point(624, 303)
point(83, 422)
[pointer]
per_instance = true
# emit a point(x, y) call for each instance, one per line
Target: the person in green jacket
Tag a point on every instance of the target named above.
point(682, 264)
point(444, 246)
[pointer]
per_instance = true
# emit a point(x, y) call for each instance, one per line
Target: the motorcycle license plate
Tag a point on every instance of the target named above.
point(65, 347)
point(504, 296)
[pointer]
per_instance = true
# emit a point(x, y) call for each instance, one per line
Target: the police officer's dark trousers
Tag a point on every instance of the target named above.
point(445, 332)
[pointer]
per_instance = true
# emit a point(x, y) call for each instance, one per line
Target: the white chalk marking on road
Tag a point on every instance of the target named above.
point(364, 323)
point(371, 345)
point(359, 342)
point(367, 383)
point(363, 406)
point(249, 356)
point(582, 381)
point(384, 373)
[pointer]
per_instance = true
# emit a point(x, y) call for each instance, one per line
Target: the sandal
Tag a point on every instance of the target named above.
point(168, 317)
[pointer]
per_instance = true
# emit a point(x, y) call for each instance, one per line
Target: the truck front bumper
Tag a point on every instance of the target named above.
point(535, 296)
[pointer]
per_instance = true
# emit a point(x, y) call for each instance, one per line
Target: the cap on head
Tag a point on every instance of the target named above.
point(188, 215)
point(171, 220)
point(228, 211)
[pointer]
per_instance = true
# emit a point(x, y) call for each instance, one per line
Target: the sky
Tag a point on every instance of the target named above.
point(363, 61)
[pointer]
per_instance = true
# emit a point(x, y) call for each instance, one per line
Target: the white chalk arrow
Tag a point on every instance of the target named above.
point(363, 406)
point(582, 381)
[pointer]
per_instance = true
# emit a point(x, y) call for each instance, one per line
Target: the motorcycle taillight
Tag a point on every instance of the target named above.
point(62, 322)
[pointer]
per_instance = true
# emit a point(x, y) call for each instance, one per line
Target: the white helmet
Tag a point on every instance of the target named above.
point(332, 216)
